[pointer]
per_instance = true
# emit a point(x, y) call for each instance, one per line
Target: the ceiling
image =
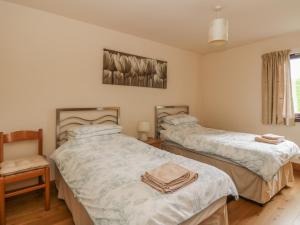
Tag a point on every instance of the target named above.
point(181, 23)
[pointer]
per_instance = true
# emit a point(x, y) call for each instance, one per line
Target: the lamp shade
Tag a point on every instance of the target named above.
point(143, 126)
point(218, 32)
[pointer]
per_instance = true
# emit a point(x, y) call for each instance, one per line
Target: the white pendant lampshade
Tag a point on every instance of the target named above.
point(218, 30)
point(143, 130)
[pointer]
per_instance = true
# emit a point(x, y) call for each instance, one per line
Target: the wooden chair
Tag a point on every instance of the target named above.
point(23, 169)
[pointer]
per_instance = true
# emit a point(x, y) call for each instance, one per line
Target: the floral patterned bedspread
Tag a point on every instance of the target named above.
point(104, 174)
point(263, 159)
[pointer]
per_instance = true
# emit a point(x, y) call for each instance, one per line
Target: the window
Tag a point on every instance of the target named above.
point(295, 73)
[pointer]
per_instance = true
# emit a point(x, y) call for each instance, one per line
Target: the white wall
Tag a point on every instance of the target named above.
point(49, 61)
point(231, 89)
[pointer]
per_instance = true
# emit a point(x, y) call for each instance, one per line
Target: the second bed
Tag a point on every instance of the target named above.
point(231, 152)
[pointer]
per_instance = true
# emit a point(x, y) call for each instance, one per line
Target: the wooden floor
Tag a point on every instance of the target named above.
point(284, 209)
point(29, 209)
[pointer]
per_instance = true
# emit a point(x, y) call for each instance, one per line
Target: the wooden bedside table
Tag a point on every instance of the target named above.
point(154, 142)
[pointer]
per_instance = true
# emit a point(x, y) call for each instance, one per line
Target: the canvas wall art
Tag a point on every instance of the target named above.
point(126, 69)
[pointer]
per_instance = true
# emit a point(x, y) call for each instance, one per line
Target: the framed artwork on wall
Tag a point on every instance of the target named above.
point(131, 70)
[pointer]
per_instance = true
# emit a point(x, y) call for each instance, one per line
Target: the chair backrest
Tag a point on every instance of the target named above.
point(24, 135)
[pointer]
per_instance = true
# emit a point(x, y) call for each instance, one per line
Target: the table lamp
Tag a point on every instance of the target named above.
point(143, 130)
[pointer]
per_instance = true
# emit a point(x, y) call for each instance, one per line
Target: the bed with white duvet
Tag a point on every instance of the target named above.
point(259, 170)
point(241, 148)
point(104, 171)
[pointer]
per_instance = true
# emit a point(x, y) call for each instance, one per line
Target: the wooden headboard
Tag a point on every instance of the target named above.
point(70, 117)
point(162, 111)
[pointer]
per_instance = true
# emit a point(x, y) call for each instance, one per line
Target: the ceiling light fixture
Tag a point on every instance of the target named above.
point(218, 30)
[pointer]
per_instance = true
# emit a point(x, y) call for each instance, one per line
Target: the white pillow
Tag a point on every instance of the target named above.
point(88, 129)
point(93, 134)
point(180, 119)
point(168, 126)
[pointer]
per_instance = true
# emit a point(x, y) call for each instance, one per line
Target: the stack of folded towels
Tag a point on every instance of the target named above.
point(169, 177)
point(270, 139)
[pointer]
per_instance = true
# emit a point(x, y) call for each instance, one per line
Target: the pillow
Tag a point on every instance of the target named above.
point(93, 134)
point(168, 126)
point(180, 119)
point(88, 129)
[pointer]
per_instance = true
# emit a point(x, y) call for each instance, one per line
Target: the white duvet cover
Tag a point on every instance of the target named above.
point(263, 159)
point(104, 174)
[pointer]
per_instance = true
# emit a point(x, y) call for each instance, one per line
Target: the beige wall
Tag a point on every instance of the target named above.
point(231, 87)
point(48, 61)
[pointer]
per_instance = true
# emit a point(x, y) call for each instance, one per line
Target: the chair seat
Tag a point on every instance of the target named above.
point(11, 167)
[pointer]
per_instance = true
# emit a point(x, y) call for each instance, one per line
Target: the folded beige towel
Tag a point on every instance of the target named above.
point(169, 177)
point(167, 173)
point(173, 188)
point(268, 141)
point(172, 183)
point(273, 137)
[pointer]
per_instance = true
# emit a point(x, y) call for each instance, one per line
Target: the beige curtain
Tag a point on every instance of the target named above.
point(277, 99)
